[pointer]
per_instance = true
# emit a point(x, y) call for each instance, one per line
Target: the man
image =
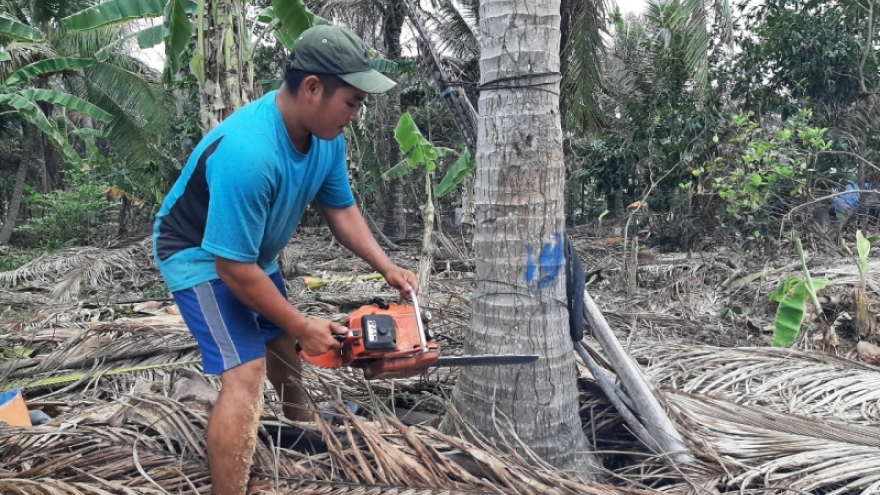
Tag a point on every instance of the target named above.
point(234, 208)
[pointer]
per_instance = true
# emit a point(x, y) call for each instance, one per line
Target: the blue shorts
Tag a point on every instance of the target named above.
point(228, 332)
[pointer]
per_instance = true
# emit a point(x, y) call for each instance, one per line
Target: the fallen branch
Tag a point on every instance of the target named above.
point(667, 442)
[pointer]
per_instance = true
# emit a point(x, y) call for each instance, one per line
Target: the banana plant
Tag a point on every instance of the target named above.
point(24, 103)
point(175, 31)
point(20, 104)
point(419, 151)
point(94, 66)
point(792, 297)
point(16, 30)
point(866, 325)
point(222, 62)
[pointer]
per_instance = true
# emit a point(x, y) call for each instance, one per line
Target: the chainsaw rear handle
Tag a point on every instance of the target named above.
point(330, 359)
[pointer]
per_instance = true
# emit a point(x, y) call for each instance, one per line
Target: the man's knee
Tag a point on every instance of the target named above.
point(247, 377)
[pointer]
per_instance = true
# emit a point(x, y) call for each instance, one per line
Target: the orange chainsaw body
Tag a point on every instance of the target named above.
point(385, 341)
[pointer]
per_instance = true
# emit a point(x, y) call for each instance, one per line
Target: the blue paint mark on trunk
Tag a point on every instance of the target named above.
point(550, 263)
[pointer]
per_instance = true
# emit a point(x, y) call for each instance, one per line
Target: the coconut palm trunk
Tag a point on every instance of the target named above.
point(394, 217)
point(519, 300)
point(31, 157)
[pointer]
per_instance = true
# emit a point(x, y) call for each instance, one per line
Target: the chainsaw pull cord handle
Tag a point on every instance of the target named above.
point(421, 325)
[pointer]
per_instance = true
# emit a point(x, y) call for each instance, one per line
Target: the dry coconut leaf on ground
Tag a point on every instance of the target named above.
point(160, 448)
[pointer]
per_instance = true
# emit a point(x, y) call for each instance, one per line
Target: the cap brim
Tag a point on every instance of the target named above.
point(370, 81)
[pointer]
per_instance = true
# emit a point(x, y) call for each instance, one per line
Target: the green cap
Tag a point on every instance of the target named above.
point(335, 50)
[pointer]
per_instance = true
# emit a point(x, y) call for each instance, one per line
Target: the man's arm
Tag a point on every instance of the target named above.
point(350, 229)
point(257, 291)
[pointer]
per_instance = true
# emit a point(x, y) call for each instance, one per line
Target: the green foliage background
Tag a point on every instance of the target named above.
point(728, 121)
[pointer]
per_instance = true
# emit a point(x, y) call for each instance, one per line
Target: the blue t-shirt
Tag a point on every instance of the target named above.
point(242, 194)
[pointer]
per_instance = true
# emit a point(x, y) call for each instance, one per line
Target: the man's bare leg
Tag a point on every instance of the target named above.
point(284, 369)
point(232, 427)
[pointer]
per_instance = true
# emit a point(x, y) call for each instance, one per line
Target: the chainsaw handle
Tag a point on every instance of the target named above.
point(330, 359)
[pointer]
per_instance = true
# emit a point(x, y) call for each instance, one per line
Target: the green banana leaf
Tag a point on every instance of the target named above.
point(48, 66)
point(67, 100)
point(267, 15)
point(285, 39)
point(30, 112)
point(117, 11)
point(150, 37)
point(457, 173)
point(197, 67)
point(386, 66)
point(5, 56)
point(147, 38)
point(414, 143)
point(397, 171)
point(792, 298)
point(113, 12)
point(16, 30)
point(294, 16)
point(178, 33)
point(863, 246)
point(94, 133)
point(61, 124)
point(271, 84)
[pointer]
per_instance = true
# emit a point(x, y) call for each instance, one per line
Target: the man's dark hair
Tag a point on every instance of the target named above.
point(293, 79)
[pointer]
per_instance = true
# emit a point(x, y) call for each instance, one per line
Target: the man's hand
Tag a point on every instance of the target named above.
point(317, 337)
point(402, 280)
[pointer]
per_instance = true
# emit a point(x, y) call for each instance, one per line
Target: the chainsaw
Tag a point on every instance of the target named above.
point(390, 340)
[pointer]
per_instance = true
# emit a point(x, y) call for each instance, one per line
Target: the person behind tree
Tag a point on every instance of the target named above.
point(235, 206)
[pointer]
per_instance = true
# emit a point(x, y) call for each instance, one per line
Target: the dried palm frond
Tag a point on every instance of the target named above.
point(22, 300)
point(775, 453)
point(111, 356)
point(785, 380)
point(65, 271)
point(116, 342)
point(161, 446)
point(764, 420)
point(161, 450)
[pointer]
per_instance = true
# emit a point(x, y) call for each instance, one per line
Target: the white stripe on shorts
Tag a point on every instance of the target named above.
point(211, 311)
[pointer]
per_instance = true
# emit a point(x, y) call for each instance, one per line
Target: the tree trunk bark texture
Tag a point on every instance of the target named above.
point(228, 76)
point(394, 218)
point(519, 304)
point(50, 171)
point(31, 156)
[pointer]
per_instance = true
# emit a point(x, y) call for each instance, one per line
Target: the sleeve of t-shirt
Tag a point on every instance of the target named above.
point(241, 188)
point(335, 192)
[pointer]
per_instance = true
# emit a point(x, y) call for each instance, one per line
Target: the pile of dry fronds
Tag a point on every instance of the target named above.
point(159, 448)
point(758, 420)
point(66, 273)
point(767, 420)
point(115, 429)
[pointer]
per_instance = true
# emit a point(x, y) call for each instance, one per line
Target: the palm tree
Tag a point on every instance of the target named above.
point(45, 67)
point(225, 42)
point(380, 24)
point(519, 301)
point(394, 224)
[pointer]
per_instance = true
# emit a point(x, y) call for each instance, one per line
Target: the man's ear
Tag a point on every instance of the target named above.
point(311, 86)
